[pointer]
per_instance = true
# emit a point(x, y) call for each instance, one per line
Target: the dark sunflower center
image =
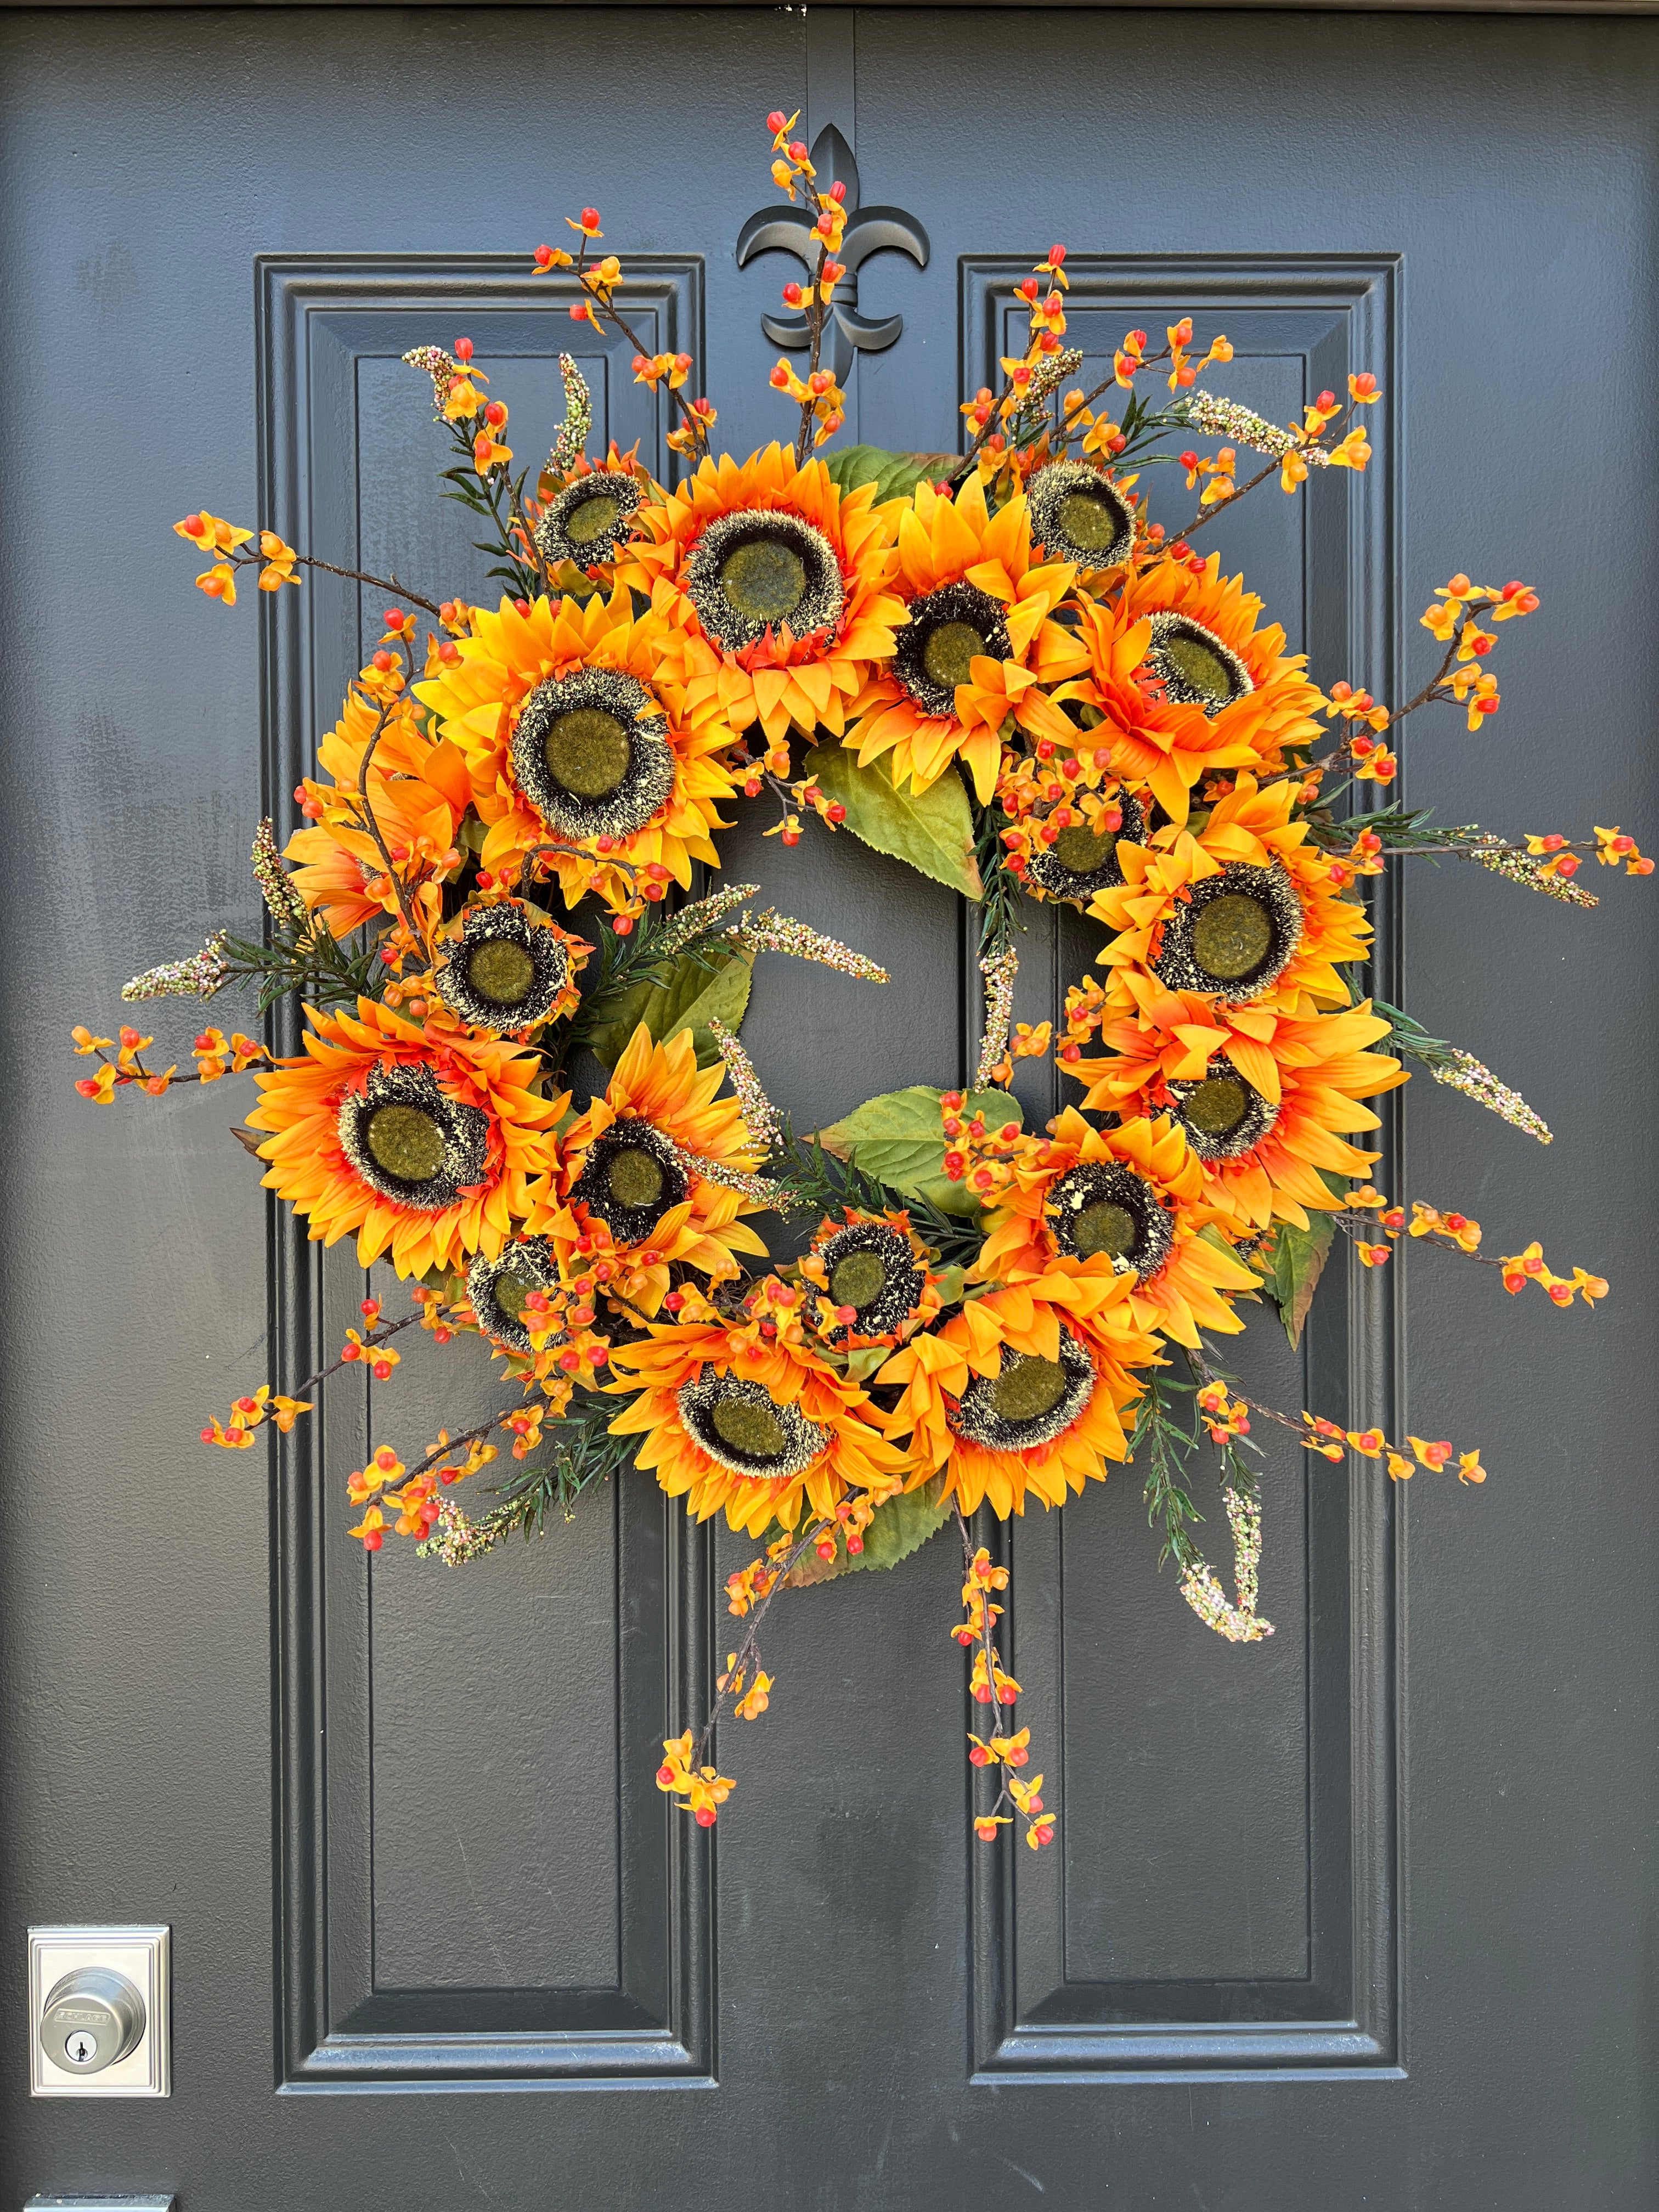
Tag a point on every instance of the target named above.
point(1082, 849)
point(1104, 1227)
point(594, 519)
point(858, 1279)
point(1232, 935)
point(1088, 521)
point(587, 752)
point(765, 579)
point(404, 1142)
point(1027, 1388)
point(1217, 1106)
point(501, 971)
point(749, 1426)
point(633, 1177)
point(950, 652)
point(511, 1293)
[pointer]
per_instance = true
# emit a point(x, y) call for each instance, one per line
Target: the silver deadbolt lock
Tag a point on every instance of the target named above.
point(92, 2018)
point(98, 2011)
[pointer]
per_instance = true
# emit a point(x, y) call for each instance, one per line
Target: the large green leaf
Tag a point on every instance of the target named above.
point(934, 832)
point(897, 1529)
point(894, 475)
point(1299, 1258)
point(899, 1138)
point(687, 997)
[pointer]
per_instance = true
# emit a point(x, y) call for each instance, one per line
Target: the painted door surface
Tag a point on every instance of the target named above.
point(1359, 1916)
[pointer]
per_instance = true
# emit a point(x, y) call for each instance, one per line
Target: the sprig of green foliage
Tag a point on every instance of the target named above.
point(306, 957)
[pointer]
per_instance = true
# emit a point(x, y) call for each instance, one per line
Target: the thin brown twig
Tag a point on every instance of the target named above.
point(352, 576)
point(748, 1651)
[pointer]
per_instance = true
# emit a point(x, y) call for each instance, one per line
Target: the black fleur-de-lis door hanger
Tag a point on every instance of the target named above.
point(869, 230)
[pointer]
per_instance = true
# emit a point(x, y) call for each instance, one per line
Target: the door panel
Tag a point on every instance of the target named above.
point(1356, 1916)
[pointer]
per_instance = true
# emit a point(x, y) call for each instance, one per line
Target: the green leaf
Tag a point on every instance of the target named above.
point(899, 1138)
point(1298, 1260)
point(934, 832)
point(894, 475)
point(897, 1529)
point(687, 997)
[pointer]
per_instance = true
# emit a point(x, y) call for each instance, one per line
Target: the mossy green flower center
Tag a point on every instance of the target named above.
point(950, 652)
point(501, 971)
point(594, 519)
point(857, 1279)
point(750, 1427)
point(1217, 1106)
point(1027, 1388)
point(587, 752)
point(765, 579)
point(1082, 849)
point(1197, 665)
point(511, 1293)
point(404, 1142)
point(633, 1177)
point(1088, 521)
point(1106, 1228)
point(1231, 935)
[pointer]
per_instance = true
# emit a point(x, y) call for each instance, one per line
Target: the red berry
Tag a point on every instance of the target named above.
point(463, 349)
point(207, 1436)
point(590, 217)
point(838, 191)
point(623, 925)
point(382, 661)
point(775, 121)
point(523, 605)
point(383, 1370)
point(373, 1540)
point(705, 1816)
point(979, 1756)
point(1056, 255)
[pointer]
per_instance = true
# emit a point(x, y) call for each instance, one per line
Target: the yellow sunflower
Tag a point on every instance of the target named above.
point(429, 1143)
point(748, 1418)
point(419, 791)
point(787, 577)
point(1266, 1100)
point(1242, 907)
point(583, 746)
point(1208, 651)
point(977, 633)
point(642, 1166)
point(1127, 1202)
point(1024, 1389)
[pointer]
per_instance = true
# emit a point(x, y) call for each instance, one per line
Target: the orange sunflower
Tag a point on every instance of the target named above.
point(978, 630)
point(1242, 907)
point(1207, 651)
point(584, 748)
point(787, 577)
point(1266, 1100)
point(1122, 706)
point(643, 1166)
point(1024, 1389)
point(428, 1142)
point(874, 1277)
point(759, 1425)
point(419, 791)
point(1129, 1201)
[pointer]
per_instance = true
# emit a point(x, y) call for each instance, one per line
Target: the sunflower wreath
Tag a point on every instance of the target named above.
point(991, 663)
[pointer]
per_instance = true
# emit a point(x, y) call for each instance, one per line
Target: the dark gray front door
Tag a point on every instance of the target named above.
point(1360, 1916)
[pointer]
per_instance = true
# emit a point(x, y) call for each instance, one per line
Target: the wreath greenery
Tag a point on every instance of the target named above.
point(997, 666)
